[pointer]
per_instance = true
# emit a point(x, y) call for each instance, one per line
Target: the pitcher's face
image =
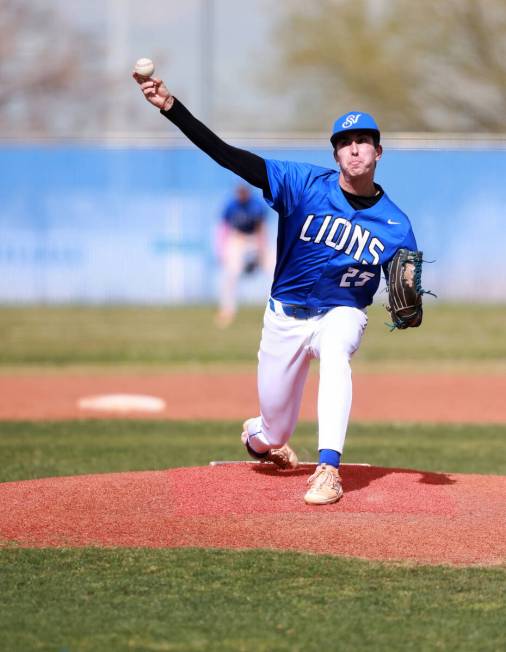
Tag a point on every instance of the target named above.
point(357, 155)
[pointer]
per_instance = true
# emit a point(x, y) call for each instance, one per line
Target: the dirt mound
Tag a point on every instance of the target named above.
point(386, 513)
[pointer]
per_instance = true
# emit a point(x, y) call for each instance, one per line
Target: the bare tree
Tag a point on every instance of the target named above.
point(46, 68)
point(431, 65)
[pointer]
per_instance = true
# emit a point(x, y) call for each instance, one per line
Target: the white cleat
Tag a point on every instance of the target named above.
point(325, 486)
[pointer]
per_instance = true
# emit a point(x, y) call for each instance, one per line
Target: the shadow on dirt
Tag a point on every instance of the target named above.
point(357, 477)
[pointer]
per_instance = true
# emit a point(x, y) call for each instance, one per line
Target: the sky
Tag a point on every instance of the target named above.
point(225, 74)
point(217, 72)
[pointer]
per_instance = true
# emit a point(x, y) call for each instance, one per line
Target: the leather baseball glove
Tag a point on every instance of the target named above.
point(404, 284)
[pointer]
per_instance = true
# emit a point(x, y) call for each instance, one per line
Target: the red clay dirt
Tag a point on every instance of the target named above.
point(386, 513)
point(377, 397)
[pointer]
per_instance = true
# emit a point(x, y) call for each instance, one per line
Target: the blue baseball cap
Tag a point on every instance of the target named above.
point(354, 121)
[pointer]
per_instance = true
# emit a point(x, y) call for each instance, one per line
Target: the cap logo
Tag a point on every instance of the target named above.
point(351, 120)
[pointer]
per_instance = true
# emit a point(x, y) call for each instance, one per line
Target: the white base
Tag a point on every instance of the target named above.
point(122, 403)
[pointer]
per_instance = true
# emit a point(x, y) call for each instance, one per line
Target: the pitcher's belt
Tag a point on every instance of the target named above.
point(299, 312)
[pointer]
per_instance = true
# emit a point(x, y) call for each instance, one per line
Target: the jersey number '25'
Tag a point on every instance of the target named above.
point(352, 278)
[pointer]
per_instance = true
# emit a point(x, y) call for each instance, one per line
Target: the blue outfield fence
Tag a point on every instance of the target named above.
point(138, 225)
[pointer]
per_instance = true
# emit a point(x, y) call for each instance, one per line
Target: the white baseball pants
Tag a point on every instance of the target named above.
point(286, 349)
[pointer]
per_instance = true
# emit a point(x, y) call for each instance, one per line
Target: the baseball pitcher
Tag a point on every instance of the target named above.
point(337, 230)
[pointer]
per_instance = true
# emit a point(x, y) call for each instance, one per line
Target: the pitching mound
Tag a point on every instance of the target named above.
point(394, 514)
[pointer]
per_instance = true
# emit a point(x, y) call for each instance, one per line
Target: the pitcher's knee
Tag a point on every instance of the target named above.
point(277, 433)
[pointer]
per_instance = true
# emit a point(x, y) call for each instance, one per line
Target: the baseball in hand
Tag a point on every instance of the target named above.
point(144, 67)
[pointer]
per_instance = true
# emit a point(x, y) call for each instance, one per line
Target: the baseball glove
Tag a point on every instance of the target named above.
point(404, 285)
point(251, 263)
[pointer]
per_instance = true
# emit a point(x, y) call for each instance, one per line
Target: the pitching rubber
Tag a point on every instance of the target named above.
point(222, 462)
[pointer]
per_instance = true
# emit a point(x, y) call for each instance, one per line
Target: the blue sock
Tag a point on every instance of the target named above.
point(328, 456)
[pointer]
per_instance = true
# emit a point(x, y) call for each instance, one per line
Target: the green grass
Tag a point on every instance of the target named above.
point(452, 336)
point(41, 449)
point(116, 600)
point(124, 336)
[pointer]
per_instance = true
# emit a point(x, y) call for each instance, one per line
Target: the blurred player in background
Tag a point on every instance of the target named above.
point(242, 246)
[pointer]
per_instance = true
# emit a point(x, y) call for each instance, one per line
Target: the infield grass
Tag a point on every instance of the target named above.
point(42, 449)
point(255, 601)
point(452, 337)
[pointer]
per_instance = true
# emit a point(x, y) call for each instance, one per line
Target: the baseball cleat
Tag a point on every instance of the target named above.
point(283, 458)
point(325, 486)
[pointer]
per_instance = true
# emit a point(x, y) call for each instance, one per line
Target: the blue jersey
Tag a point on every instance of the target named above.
point(246, 216)
point(328, 253)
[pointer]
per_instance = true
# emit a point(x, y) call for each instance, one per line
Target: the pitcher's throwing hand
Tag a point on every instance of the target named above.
point(155, 91)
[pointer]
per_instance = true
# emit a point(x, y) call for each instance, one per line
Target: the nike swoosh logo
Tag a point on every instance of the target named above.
point(392, 222)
